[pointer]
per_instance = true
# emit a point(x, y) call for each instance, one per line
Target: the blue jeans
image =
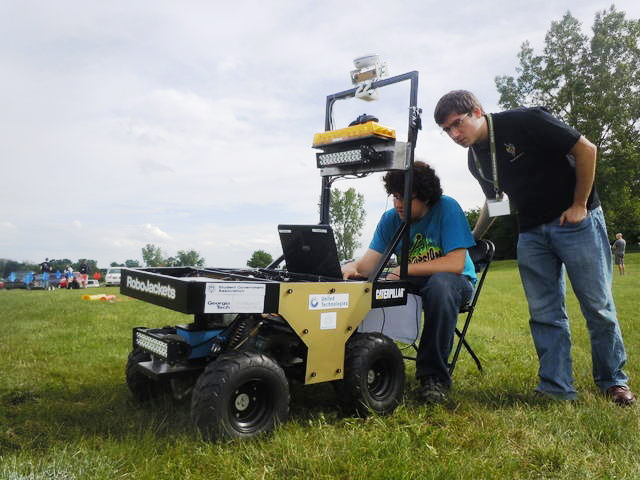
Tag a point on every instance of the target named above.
point(583, 250)
point(443, 294)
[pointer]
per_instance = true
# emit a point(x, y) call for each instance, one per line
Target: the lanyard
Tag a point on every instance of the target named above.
point(494, 159)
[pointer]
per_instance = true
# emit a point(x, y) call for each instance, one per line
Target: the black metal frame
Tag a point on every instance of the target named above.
point(412, 136)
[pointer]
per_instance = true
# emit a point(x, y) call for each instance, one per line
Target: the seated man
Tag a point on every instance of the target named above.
point(439, 266)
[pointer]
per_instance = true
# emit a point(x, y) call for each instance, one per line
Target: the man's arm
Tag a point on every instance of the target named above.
point(362, 267)
point(585, 154)
point(483, 223)
point(453, 262)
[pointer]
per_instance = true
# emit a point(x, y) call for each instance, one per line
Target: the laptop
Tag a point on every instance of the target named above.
point(310, 249)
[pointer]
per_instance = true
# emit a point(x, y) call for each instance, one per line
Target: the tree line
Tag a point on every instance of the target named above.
point(152, 255)
point(56, 265)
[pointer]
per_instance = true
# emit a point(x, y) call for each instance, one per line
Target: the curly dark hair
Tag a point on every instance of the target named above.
point(426, 184)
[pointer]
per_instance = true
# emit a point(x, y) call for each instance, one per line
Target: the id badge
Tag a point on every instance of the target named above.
point(498, 208)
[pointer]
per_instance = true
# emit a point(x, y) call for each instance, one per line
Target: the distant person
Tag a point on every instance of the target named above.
point(45, 268)
point(547, 169)
point(618, 252)
point(439, 266)
point(68, 273)
point(84, 274)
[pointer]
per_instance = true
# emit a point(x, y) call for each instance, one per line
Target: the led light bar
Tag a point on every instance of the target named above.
point(358, 156)
point(153, 345)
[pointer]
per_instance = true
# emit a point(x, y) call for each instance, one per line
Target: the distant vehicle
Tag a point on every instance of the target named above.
point(1, 282)
point(113, 276)
point(38, 283)
point(92, 282)
point(17, 280)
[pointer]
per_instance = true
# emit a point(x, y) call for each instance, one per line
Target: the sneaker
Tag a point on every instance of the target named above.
point(433, 391)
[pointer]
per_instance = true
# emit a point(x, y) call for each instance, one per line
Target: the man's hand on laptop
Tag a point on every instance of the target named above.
point(350, 270)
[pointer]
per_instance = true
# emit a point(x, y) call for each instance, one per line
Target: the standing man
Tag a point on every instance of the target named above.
point(547, 169)
point(45, 269)
point(439, 266)
point(84, 274)
point(618, 252)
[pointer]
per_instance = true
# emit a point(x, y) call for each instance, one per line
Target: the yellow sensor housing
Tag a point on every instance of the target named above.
point(356, 132)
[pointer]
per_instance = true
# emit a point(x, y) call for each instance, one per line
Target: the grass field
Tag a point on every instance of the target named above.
point(66, 413)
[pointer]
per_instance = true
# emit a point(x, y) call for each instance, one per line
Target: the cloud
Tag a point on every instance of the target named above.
point(155, 233)
point(6, 227)
point(148, 166)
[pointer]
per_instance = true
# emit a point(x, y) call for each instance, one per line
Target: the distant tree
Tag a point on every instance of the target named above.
point(171, 262)
point(503, 233)
point(472, 216)
point(60, 264)
point(92, 265)
point(132, 264)
point(116, 264)
point(260, 259)
point(189, 258)
point(9, 266)
point(593, 84)
point(346, 215)
point(152, 256)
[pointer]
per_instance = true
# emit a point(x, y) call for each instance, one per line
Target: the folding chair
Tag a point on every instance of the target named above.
point(481, 254)
point(403, 323)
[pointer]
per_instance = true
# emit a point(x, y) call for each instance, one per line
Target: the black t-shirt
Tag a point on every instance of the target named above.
point(534, 167)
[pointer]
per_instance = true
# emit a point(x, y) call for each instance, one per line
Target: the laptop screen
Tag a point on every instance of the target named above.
point(310, 249)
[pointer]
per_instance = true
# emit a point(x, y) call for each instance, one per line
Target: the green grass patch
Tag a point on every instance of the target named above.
point(66, 413)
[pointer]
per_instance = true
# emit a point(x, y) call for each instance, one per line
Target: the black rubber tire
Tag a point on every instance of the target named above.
point(239, 395)
point(374, 375)
point(143, 388)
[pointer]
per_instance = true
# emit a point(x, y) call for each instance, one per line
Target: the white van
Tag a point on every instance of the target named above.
point(113, 276)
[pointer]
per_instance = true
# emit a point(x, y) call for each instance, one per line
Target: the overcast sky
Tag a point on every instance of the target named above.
point(188, 124)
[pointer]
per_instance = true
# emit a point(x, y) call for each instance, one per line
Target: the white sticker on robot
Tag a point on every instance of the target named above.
point(328, 320)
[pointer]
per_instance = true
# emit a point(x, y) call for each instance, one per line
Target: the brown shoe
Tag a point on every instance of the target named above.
point(621, 395)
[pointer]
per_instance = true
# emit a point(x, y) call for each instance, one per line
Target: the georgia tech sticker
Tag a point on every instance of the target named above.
point(234, 297)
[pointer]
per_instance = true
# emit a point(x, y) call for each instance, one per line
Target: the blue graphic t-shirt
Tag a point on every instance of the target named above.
point(444, 228)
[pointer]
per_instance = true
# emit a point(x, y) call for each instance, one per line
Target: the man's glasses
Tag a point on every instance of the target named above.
point(400, 198)
point(457, 123)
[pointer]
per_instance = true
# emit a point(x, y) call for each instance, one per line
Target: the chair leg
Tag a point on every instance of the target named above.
point(462, 342)
point(472, 353)
point(415, 347)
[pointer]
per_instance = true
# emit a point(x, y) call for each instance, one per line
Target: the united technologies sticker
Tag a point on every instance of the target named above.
point(326, 302)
